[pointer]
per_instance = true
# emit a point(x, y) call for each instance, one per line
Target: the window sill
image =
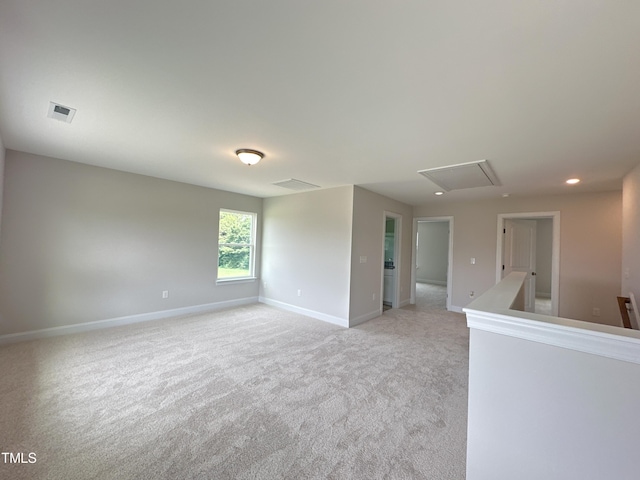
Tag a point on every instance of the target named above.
point(228, 281)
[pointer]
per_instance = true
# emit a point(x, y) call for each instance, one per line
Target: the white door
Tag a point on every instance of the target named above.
point(520, 255)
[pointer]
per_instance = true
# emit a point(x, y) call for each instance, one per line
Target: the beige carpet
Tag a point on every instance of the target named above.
point(249, 393)
point(430, 296)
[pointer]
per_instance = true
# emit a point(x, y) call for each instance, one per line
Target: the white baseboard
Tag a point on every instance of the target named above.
point(305, 311)
point(455, 308)
point(431, 282)
point(119, 321)
point(363, 318)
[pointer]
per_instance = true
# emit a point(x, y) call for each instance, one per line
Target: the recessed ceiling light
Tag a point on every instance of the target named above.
point(505, 195)
point(573, 181)
point(439, 193)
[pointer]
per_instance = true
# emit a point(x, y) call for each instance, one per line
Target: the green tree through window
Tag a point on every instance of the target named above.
point(236, 244)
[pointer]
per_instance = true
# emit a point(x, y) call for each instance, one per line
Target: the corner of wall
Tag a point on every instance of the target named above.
point(2, 157)
point(630, 267)
point(367, 242)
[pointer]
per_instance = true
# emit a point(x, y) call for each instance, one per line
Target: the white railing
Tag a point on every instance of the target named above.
point(549, 397)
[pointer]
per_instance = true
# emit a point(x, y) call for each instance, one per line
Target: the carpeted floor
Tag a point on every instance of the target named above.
point(430, 297)
point(248, 393)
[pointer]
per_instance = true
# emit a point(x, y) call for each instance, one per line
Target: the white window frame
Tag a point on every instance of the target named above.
point(251, 245)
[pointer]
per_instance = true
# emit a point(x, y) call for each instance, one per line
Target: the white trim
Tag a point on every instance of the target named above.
point(253, 246)
point(120, 321)
point(235, 280)
point(364, 318)
point(455, 308)
point(492, 312)
point(305, 311)
point(428, 281)
point(618, 343)
point(555, 255)
point(414, 255)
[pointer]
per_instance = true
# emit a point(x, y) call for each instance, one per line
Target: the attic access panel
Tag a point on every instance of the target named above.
point(60, 112)
point(462, 175)
point(294, 184)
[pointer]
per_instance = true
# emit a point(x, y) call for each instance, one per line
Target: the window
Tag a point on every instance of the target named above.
point(236, 245)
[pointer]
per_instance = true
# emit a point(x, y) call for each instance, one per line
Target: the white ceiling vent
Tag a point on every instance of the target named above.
point(463, 175)
point(293, 184)
point(60, 112)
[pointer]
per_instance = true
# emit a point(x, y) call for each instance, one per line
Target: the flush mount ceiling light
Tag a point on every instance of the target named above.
point(439, 193)
point(573, 181)
point(248, 156)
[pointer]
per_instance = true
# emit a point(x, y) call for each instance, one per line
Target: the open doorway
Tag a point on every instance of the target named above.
point(391, 259)
point(530, 243)
point(432, 266)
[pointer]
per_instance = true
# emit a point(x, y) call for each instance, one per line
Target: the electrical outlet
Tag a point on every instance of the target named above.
point(299, 292)
point(596, 312)
point(165, 294)
point(374, 297)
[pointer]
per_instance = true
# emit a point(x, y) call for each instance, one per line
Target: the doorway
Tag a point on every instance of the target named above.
point(432, 266)
point(391, 260)
point(530, 243)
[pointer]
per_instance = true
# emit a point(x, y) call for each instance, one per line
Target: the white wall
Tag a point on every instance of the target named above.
point(590, 248)
point(539, 411)
point(368, 241)
point(631, 234)
point(432, 259)
point(549, 397)
point(83, 243)
point(307, 247)
point(2, 162)
point(313, 242)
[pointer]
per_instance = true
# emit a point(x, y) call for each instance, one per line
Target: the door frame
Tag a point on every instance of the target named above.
point(530, 226)
point(555, 255)
point(414, 252)
point(397, 253)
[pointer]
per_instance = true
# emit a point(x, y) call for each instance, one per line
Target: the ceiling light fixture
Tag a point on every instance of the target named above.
point(248, 156)
point(439, 193)
point(573, 181)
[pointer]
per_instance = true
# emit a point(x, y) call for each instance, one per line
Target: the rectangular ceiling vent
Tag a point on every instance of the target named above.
point(60, 112)
point(463, 175)
point(293, 184)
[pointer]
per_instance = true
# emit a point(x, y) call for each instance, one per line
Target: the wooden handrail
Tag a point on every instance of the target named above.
point(624, 312)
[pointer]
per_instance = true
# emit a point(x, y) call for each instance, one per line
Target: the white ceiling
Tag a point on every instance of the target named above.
point(334, 92)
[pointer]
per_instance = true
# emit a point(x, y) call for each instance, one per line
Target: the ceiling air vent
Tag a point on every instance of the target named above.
point(60, 112)
point(463, 175)
point(293, 184)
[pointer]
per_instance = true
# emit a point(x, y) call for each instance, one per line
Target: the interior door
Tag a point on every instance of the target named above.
point(520, 255)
